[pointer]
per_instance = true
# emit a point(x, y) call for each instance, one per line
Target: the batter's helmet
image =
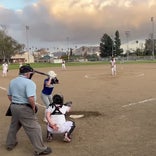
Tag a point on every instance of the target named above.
point(52, 74)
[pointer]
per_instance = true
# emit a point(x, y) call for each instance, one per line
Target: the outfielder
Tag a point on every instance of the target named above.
point(113, 66)
point(57, 122)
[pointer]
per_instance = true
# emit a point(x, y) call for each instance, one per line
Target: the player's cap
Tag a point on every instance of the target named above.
point(52, 74)
point(25, 69)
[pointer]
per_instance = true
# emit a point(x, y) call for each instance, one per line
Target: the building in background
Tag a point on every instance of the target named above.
point(24, 57)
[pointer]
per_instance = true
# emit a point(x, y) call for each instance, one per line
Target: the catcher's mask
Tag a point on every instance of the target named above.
point(58, 99)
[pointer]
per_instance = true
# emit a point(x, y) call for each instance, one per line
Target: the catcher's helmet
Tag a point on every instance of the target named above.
point(58, 99)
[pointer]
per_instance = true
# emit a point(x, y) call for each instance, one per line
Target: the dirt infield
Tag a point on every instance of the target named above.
point(119, 112)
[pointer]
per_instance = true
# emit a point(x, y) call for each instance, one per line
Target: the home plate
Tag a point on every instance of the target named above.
point(76, 116)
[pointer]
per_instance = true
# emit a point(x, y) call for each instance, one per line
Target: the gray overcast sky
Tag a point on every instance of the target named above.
point(63, 23)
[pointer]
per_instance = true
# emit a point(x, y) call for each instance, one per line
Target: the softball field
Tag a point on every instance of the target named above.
point(119, 113)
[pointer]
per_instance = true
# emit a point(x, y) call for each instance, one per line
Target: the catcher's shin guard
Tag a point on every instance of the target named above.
point(49, 136)
point(72, 129)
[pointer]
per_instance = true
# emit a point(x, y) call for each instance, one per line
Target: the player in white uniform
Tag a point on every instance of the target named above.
point(5, 69)
point(113, 66)
point(57, 122)
point(63, 65)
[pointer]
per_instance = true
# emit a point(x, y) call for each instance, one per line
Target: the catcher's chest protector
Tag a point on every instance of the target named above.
point(56, 111)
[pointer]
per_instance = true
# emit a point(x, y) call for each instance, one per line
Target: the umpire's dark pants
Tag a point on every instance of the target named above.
point(23, 115)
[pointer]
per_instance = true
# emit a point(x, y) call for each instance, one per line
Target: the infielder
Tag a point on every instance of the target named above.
point(4, 69)
point(63, 65)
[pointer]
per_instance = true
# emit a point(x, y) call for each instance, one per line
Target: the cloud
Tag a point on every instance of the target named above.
point(82, 21)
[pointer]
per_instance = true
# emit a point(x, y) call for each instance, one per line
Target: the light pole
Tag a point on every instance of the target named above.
point(68, 49)
point(152, 36)
point(112, 46)
point(3, 36)
point(127, 37)
point(27, 40)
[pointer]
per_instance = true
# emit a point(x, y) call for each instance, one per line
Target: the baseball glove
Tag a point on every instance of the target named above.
point(69, 103)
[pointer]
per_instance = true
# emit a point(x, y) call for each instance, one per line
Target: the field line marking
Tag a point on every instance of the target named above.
point(3, 88)
point(93, 75)
point(41, 105)
point(139, 75)
point(139, 102)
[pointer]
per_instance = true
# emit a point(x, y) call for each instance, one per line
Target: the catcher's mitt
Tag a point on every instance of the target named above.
point(69, 103)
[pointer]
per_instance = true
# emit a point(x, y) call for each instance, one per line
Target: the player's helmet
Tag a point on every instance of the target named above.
point(52, 74)
point(58, 99)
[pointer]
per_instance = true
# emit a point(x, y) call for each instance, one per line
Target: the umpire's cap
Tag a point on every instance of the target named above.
point(25, 69)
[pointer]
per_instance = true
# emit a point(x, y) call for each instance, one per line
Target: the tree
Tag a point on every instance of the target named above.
point(106, 45)
point(8, 46)
point(148, 46)
point(117, 44)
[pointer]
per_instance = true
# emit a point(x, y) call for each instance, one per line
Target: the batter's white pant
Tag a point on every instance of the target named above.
point(47, 99)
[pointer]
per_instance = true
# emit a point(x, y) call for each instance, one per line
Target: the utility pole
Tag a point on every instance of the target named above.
point(3, 27)
point(127, 33)
point(112, 46)
point(68, 48)
point(152, 36)
point(27, 40)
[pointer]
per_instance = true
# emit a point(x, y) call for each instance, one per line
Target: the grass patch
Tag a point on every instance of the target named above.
point(137, 61)
point(44, 65)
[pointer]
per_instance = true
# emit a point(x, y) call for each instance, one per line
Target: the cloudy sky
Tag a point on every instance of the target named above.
point(71, 23)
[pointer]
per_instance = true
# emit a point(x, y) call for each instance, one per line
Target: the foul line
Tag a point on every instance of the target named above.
point(41, 105)
point(2, 88)
point(140, 102)
point(92, 75)
point(139, 75)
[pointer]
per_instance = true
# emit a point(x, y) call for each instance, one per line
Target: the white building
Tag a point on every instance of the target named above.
point(25, 57)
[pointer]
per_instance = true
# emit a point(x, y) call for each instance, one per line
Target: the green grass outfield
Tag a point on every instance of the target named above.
point(43, 65)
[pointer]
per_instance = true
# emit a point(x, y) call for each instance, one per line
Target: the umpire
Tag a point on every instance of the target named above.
point(22, 94)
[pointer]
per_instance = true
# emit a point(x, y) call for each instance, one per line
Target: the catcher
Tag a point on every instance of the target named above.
point(57, 122)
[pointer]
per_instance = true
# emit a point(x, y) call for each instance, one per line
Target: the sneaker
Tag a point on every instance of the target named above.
point(11, 148)
point(45, 152)
point(66, 138)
